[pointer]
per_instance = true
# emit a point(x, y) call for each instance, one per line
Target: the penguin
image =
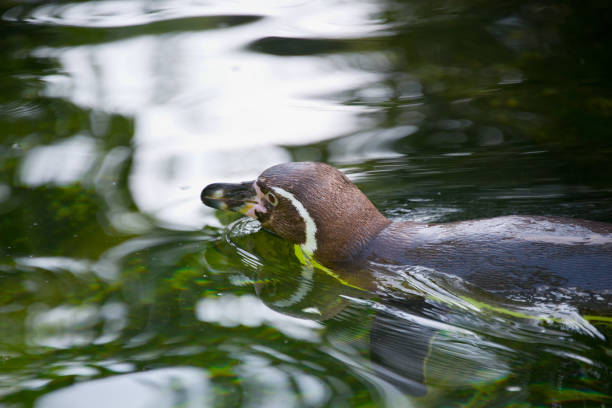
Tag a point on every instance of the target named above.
point(316, 207)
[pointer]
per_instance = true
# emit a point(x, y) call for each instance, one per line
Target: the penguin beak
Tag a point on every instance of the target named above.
point(242, 198)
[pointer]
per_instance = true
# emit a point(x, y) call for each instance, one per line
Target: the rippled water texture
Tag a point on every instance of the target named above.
point(119, 288)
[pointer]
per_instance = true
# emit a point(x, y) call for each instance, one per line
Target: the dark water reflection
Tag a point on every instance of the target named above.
point(119, 288)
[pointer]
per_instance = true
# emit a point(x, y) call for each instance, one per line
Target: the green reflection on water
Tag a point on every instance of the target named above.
point(497, 109)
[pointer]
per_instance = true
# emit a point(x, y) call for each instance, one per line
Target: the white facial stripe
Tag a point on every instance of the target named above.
point(310, 246)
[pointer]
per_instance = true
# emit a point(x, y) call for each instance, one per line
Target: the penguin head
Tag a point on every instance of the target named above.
point(310, 204)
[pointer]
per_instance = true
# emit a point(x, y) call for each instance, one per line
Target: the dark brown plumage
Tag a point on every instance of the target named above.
point(345, 218)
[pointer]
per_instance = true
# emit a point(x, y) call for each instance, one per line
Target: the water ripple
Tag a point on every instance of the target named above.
point(108, 14)
point(339, 19)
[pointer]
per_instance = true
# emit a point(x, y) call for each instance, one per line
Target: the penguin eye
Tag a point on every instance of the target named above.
point(272, 199)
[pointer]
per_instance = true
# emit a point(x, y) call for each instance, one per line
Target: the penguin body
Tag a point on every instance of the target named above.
point(521, 258)
point(317, 207)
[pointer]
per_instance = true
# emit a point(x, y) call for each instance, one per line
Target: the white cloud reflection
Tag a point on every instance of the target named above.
point(60, 163)
point(206, 109)
point(315, 17)
point(67, 326)
point(62, 326)
point(165, 387)
point(248, 310)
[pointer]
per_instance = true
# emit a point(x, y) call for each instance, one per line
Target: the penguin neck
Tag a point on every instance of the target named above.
point(341, 240)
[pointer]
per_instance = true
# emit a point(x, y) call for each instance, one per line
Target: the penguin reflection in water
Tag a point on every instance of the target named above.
point(337, 228)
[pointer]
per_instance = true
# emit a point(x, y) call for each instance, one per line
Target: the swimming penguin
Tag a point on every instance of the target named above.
point(318, 208)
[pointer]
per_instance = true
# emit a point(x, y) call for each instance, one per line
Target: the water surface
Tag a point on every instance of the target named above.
point(119, 288)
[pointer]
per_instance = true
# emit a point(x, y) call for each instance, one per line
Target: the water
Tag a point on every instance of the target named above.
point(119, 288)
